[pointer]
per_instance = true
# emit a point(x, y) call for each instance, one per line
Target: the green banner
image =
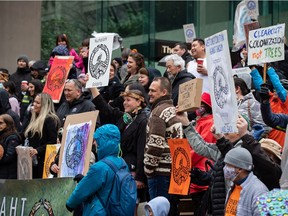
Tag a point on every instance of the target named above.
point(39, 197)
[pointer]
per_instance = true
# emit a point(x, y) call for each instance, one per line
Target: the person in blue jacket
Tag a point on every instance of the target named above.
point(99, 179)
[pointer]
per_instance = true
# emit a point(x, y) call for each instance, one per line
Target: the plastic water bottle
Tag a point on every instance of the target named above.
point(34, 160)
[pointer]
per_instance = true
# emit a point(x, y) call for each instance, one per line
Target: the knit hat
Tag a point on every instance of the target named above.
point(205, 98)
point(60, 50)
point(240, 158)
point(24, 58)
point(271, 146)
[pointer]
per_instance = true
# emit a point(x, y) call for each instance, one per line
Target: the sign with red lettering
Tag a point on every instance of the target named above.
point(266, 45)
point(57, 75)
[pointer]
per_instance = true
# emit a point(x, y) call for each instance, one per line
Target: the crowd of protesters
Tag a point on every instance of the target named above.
point(229, 171)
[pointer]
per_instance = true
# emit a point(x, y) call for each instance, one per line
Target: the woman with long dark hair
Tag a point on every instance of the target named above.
point(9, 139)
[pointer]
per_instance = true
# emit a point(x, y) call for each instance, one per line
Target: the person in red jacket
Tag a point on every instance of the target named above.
point(204, 122)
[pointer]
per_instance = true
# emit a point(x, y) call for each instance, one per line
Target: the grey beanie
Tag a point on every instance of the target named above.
point(240, 158)
point(24, 58)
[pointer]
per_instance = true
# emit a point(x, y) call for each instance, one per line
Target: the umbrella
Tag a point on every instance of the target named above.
point(274, 202)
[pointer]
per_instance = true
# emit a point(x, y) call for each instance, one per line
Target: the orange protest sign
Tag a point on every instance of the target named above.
point(57, 75)
point(50, 154)
point(181, 165)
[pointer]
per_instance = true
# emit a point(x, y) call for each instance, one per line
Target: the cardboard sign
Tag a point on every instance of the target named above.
point(76, 144)
point(266, 45)
point(51, 152)
point(35, 197)
point(100, 53)
point(248, 27)
point(190, 95)
point(181, 166)
point(189, 32)
point(24, 167)
point(224, 103)
point(57, 75)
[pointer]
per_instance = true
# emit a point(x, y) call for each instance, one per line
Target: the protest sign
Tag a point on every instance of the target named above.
point(190, 95)
point(35, 197)
point(224, 103)
point(51, 152)
point(24, 162)
point(76, 144)
point(243, 73)
point(248, 27)
point(100, 52)
point(266, 45)
point(189, 32)
point(57, 75)
point(181, 166)
point(246, 11)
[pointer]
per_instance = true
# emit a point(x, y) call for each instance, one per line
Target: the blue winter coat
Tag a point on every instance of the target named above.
point(100, 177)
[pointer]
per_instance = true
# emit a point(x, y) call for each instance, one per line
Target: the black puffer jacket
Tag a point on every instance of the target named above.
point(77, 106)
point(20, 75)
point(8, 163)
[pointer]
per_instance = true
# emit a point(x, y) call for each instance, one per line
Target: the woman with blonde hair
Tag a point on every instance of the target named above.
point(42, 130)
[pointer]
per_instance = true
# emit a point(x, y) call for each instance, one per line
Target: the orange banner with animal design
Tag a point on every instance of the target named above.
point(181, 166)
point(57, 75)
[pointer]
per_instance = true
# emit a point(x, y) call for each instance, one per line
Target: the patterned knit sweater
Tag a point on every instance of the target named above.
point(162, 125)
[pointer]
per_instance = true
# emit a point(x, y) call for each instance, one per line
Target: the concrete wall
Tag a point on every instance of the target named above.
point(20, 32)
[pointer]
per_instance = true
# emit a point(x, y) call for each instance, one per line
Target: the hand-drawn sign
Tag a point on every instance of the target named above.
point(98, 69)
point(181, 165)
point(49, 160)
point(220, 86)
point(56, 78)
point(75, 151)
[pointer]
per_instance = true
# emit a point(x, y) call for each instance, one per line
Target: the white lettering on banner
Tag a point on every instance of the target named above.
point(13, 206)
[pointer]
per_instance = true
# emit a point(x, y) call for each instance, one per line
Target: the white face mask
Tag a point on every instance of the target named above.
point(230, 173)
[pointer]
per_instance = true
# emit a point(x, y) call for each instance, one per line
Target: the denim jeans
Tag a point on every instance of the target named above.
point(159, 186)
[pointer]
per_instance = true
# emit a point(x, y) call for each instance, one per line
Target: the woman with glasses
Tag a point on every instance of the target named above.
point(42, 130)
point(9, 139)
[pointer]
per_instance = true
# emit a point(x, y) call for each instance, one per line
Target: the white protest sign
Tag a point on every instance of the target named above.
point(243, 73)
point(266, 44)
point(189, 32)
point(100, 52)
point(224, 104)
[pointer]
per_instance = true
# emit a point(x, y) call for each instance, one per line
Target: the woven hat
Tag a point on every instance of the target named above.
point(240, 158)
point(24, 58)
point(271, 146)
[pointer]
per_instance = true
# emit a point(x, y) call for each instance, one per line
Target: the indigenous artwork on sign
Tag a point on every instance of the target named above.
point(51, 152)
point(76, 144)
point(74, 149)
point(181, 166)
point(100, 52)
point(35, 197)
point(24, 164)
point(224, 103)
point(57, 75)
point(189, 32)
point(266, 45)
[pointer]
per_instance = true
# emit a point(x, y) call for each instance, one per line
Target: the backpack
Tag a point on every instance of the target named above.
point(123, 194)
